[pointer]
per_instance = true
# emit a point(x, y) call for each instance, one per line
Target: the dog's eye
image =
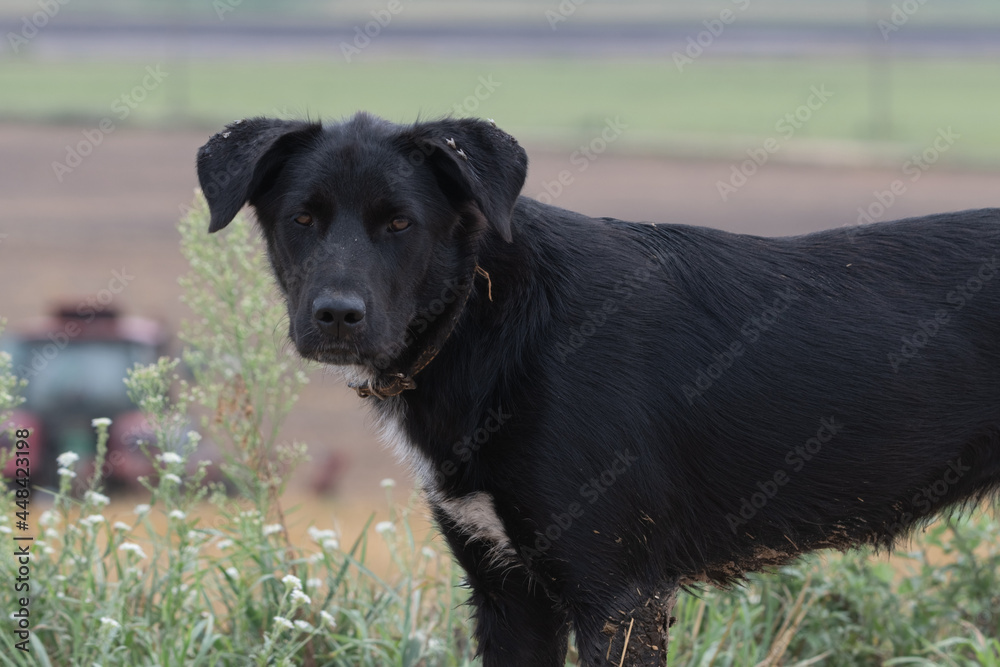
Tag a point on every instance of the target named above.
point(304, 219)
point(398, 224)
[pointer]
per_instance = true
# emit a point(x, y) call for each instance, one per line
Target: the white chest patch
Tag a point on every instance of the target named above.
point(474, 514)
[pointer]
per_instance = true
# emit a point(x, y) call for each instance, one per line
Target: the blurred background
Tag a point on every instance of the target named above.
point(769, 117)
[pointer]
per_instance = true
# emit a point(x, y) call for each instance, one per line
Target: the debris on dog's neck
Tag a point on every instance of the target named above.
point(489, 283)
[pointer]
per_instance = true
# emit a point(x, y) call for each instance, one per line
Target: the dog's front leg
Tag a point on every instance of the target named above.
point(517, 623)
point(630, 629)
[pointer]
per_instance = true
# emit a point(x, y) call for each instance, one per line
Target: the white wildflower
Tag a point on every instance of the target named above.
point(92, 520)
point(65, 472)
point(141, 509)
point(304, 626)
point(282, 622)
point(96, 498)
point(387, 483)
point(121, 525)
point(328, 618)
point(6, 530)
point(224, 544)
point(48, 518)
point(428, 552)
point(107, 622)
point(170, 457)
point(313, 583)
point(132, 548)
point(66, 459)
point(291, 581)
point(194, 437)
point(171, 477)
point(232, 573)
point(177, 514)
point(273, 528)
point(383, 527)
point(298, 597)
point(318, 535)
point(100, 421)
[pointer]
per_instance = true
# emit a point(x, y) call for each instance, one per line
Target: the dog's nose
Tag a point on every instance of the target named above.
point(338, 314)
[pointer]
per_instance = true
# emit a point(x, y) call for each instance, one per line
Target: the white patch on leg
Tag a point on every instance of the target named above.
point(474, 513)
point(476, 517)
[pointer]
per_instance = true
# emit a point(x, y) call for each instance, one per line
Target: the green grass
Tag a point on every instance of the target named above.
point(714, 104)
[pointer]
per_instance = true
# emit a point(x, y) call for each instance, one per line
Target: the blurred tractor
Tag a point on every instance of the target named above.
point(75, 362)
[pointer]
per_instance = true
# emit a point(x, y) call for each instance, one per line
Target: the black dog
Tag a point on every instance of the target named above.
point(603, 411)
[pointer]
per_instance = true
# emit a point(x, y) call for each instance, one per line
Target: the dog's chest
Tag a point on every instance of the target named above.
point(474, 514)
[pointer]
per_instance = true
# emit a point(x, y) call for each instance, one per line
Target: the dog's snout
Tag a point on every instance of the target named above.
point(338, 314)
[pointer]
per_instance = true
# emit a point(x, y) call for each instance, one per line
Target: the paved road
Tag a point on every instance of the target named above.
point(75, 37)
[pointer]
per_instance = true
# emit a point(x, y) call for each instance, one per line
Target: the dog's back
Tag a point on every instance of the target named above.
point(803, 390)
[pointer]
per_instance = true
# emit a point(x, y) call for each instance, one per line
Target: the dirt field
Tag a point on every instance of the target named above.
point(117, 210)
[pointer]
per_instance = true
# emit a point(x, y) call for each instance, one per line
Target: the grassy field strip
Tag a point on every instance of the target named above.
point(711, 103)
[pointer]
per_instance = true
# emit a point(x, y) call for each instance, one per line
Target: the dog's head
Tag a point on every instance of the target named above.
point(367, 223)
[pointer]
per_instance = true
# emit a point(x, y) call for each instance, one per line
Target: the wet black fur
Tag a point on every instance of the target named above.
point(689, 366)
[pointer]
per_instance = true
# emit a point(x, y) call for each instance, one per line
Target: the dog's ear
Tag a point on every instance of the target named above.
point(476, 162)
point(238, 164)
